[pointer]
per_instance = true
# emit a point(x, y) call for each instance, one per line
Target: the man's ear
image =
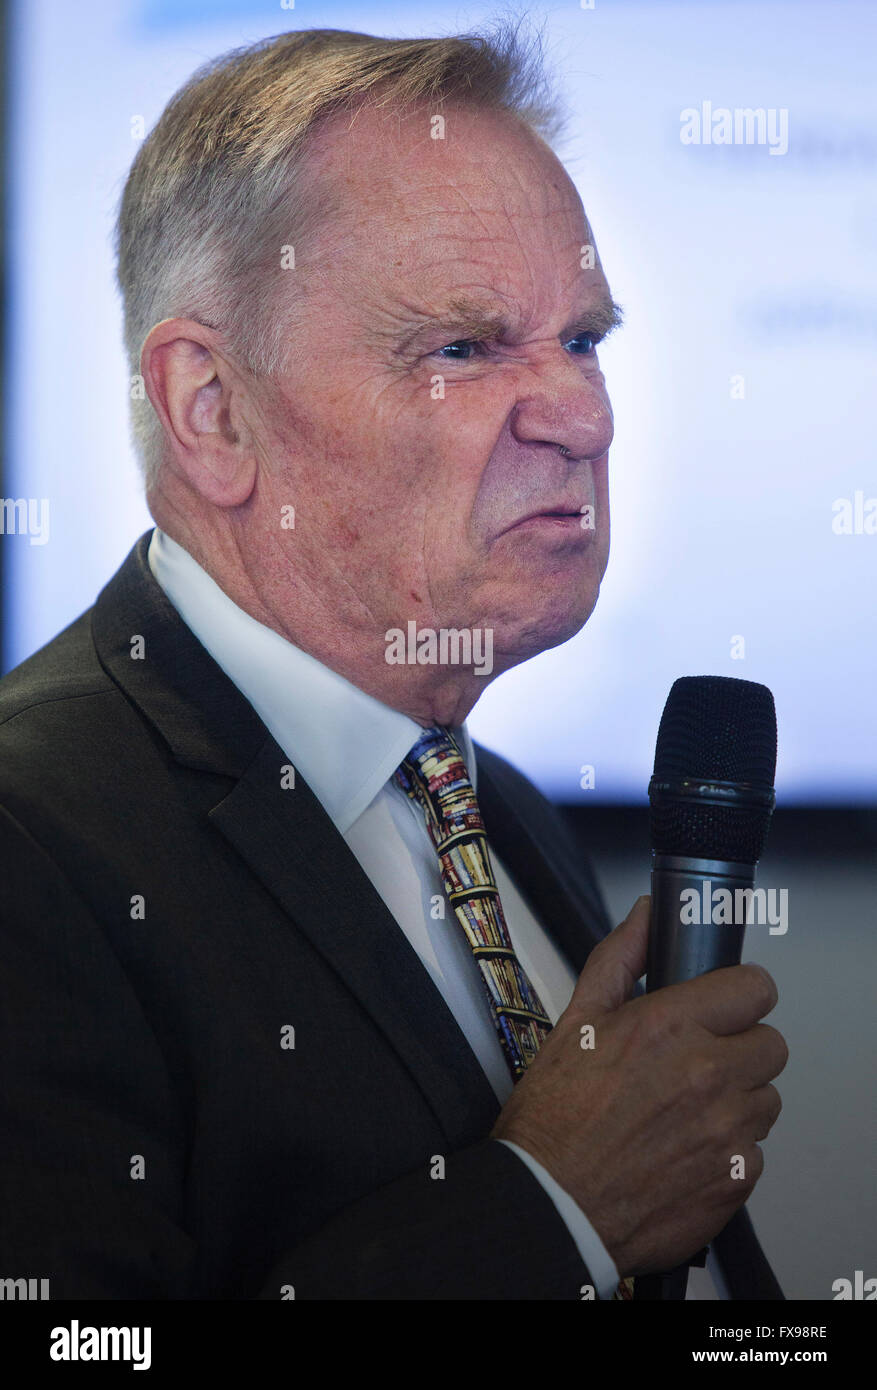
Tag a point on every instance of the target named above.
point(191, 387)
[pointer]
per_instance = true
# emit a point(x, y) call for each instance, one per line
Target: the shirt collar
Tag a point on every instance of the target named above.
point(343, 742)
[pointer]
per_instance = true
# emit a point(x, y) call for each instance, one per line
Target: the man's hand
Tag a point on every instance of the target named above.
point(645, 1129)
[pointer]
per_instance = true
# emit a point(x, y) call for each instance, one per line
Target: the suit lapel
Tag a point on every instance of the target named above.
point(287, 839)
point(292, 846)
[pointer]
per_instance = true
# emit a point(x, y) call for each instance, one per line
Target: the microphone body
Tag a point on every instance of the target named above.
point(681, 950)
point(711, 799)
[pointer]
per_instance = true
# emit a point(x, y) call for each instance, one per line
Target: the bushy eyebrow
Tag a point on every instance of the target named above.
point(467, 317)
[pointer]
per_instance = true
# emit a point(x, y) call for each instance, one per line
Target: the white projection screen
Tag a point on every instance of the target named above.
point(744, 467)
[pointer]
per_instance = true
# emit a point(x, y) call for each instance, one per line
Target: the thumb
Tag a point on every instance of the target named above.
point(615, 965)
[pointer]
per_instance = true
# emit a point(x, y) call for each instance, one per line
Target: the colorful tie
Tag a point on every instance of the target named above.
point(434, 776)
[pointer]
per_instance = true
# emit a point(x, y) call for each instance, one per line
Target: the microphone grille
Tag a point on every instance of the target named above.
point(714, 729)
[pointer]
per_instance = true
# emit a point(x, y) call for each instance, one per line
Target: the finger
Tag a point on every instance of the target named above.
point(767, 1104)
point(615, 965)
point(755, 1057)
point(727, 1000)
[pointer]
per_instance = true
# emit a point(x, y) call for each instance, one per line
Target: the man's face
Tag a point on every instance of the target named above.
point(422, 446)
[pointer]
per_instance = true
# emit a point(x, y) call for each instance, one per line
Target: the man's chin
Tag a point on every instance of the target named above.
point(517, 640)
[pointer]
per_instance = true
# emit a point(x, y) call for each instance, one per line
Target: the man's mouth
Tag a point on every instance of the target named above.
point(555, 519)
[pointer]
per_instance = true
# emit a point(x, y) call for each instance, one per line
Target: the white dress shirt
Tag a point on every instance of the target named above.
point(347, 745)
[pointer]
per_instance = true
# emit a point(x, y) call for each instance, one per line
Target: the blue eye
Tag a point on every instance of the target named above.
point(460, 346)
point(459, 343)
point(589, 338)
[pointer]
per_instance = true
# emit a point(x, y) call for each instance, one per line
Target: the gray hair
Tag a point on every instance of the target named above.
point(218, 187)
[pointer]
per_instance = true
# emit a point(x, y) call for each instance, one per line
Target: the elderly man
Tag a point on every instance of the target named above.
point(295, 979)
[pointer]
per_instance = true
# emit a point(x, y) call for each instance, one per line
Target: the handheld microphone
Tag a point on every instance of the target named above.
point(711, 798)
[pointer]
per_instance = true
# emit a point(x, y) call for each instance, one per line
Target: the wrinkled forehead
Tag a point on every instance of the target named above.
point(436, 203)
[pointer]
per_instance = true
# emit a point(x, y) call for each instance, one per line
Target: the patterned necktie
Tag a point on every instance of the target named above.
point(434, 776)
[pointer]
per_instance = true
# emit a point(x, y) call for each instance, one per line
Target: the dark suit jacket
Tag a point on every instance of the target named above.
point(168, 910)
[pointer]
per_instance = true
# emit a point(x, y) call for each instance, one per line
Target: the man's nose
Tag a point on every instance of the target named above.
point(564, 404)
